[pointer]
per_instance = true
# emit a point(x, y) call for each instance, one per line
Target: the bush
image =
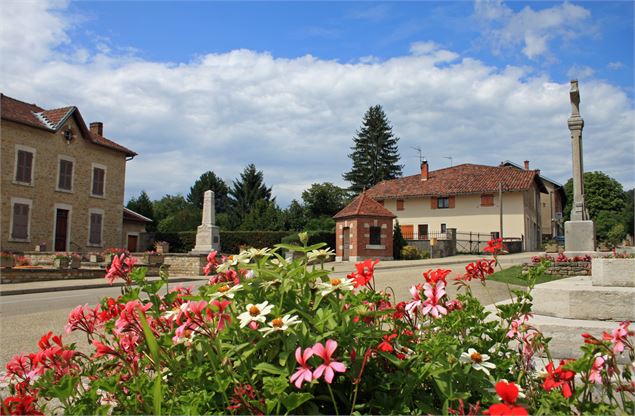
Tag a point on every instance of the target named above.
point(413, 253)
point(232, 241)
point(398, 242)
point(315, 237)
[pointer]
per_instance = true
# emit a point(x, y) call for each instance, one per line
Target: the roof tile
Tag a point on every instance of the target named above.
point(364, 206)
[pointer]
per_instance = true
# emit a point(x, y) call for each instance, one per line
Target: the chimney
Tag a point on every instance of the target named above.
point(424, 170)
point(526, 163)
point(97, 127)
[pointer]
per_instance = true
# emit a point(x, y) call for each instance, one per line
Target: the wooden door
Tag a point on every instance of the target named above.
point(346, 249)
point(423, 231)
point(61, 229)
point(132, 243)
point(407, 231)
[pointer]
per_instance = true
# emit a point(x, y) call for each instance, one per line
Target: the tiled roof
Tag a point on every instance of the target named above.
point(130, 215)
point(52, 120)
point(364, 206)
point(461, 179)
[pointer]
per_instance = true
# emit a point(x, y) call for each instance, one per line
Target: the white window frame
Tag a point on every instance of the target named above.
point(101, 212)
point(31, 150)
point(92, 179)
point(24, 201)
point(68, 208)
point(59, 172)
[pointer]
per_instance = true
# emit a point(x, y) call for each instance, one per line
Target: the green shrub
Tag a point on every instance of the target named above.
point(322, 236)
point(413, 253)
point(231, 241)
point(398, 242)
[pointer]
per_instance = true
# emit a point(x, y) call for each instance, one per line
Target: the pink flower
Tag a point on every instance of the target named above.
point(416, 302)
point(121, 266)
point(513, 331)
point(102, 349)
point(595, 375)
point(211, 263)
point(84, 319)
point(618, 336)
point(432, 305)
point(328, 367)
point(304, 372)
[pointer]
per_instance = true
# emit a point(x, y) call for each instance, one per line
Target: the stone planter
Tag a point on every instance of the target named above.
point(162, 248)
point(551, 248)
point(613, 272)
point(61, 263)
point(75, 262)
point(7, 262)
point(153, 258)
point(95, 258)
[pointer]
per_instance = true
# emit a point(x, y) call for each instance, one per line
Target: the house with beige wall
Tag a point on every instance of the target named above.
point(467, 198)
point(62, 182)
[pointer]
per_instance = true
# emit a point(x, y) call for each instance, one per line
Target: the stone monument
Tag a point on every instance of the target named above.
point(207, 234)
point(579, 232)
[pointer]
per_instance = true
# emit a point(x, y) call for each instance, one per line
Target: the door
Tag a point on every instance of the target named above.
point(423, 231)
point(132, 242)
point(61, 229)
point(407, 231)
point(346, 249)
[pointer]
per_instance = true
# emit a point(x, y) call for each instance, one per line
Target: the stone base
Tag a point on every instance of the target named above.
point(207, 239)
point(614, 272)
point(579, 237)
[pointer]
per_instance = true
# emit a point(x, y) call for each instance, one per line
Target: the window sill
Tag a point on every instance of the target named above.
point(98, 196)
point(66, 191)
point(375, 247)
point(19, 240)
point(95, 245)
point(29, 184)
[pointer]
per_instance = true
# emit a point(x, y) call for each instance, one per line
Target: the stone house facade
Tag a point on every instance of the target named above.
point(466, 197)
point(62, 182)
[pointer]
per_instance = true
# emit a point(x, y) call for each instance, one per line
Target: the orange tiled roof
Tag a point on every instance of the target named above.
point(364, 206)
point(52, 120)
point(461, 179)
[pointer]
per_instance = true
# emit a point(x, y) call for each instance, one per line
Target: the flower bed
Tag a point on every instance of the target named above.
point(561, 265)
point(267, 335)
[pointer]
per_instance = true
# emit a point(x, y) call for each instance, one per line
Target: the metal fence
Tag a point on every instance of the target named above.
point(475, 242)
point(414, 235)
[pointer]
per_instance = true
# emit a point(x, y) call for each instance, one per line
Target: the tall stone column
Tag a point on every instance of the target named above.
point(579, 232)
point(207, 234)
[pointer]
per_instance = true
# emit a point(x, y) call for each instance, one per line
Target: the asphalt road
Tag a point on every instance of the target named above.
point(25, 318)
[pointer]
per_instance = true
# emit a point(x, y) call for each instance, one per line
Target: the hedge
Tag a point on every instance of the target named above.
point(315, 237)
point(230, 241)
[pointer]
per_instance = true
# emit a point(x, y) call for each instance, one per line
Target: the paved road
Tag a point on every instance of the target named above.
point(25, 318)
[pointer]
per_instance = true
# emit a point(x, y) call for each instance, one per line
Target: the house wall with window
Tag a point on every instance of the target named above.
point(76, 175)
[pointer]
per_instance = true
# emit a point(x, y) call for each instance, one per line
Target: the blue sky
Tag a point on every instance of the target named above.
point(197, 86)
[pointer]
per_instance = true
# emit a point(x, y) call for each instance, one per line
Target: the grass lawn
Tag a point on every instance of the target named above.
point(513, 276)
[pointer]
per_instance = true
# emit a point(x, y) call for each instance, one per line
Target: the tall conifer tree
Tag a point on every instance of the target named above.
point(375, 153)
point(246, 191)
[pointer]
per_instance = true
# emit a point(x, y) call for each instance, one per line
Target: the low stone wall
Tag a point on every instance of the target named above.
point(442, 248)
point(41, 275)
point(183, 264)
point(571, 268)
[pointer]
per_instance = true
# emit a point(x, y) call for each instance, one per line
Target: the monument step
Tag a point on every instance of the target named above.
point(577, 298)
point(566, 334)
point(613, 272)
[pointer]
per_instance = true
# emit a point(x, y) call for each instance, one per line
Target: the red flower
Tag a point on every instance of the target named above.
point(121, 266)
point(365, 272)
point(494, 246)
point(385, 345)
point(102, 349)
point(478, 270)
point(211, 263)
point(559, 378)
point(20, 405)
point(438, 275)
point(508, 392)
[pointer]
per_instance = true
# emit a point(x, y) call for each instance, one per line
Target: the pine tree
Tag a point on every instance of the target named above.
point(143, 205)
point(375, 154)
point(209, 181)
point(398, 242)
point(246, 191)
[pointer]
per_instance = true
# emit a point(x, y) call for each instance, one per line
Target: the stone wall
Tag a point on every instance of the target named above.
point(183, 264)
point(41, 275)
point(572, 268)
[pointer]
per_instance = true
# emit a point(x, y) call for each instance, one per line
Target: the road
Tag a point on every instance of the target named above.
point(25, 318)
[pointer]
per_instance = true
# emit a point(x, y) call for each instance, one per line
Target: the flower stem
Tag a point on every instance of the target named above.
point(333, 398)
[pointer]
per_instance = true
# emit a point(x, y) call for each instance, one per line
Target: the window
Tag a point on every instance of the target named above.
point(20, 215)
point(65, 175)
point(443, 202)
point(24, 157)
point(487, 200)
point(423, 231)
point(375, 235)
point(444, 228)
point(400, 205)
point(95, 228)
point(99, 180)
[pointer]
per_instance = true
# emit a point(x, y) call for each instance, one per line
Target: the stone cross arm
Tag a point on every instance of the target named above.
point(574, 95)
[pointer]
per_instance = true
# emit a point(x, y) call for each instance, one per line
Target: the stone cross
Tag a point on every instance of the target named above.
point(207, 234)
point(576, 124)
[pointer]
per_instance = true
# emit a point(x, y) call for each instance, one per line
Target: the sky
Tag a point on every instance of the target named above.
point(194, 86)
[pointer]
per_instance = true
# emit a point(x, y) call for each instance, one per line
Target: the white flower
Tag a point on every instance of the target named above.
point(226, 292)
point(477, 360)
point(256, 312)
point(254, 252)
point(242, 258)
point(280, 324)
point(320, 255)
point(250, 274)
point(334, 285)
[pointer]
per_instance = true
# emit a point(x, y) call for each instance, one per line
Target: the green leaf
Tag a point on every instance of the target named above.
point(157, 396)
point(150, 339)
point(271, 369)
point(295, 400)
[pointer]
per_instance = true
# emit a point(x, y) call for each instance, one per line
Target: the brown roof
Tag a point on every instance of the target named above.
point(52, 120)
point(130, 215)
point(461, 179)
point(364, 206)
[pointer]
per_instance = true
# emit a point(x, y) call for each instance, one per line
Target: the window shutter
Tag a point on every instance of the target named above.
point(20, 221)
point(433, 202)
point(400, 205)
point(95, 228)
point(25, 166)
point(451, 202)
point(98, 181)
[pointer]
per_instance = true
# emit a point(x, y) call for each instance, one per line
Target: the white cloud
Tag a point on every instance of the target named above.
point(531, 29)
point(295, 118)
point(615, 65)
point(580, 72)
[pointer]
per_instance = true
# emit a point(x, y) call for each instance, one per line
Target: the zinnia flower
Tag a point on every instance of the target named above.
point(225, 291)
point(280, 324)
point(255, 313)
point(335, 284)
point(477, 360)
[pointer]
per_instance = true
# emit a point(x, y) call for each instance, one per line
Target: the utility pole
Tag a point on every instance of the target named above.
point(500, 205)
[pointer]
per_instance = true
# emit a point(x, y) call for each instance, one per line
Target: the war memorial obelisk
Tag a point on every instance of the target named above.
point(579, 232)
point(207, 234)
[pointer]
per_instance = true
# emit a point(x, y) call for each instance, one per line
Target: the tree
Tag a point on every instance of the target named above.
point(246, 191)
point(375, 154)
point(601, 193)
point(398, 242)
point(209, 181)
point(185, 219)
point(324, 199)
point(168, 205)
point(629, 213)
point(264, 216)
point(294, 217)
point(143, 205)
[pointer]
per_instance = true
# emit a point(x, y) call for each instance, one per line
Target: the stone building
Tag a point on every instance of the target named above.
point(62, 183)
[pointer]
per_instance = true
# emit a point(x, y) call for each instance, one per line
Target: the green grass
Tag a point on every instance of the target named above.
point(513, 276)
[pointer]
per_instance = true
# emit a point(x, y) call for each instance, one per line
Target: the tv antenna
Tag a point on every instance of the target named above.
point(418, 149)
point(449, 157)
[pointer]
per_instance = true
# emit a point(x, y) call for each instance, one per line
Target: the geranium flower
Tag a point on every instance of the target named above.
point(477, 360)
point(494, 246)
point(513, 330)
point(328, 367)
point(365, 272)
point(435, 276)
point(121, 266)
point(508, 392)
point(335, 284)
point(416, 302)
point(618, 336)
point(280, 324)
point(432, 305)
point(303, 372)
point(225, 291)
point(559, 378)
point(385, 345)
point(211, 263)
point(255, 313)
point(83, 318)
point(595, 375)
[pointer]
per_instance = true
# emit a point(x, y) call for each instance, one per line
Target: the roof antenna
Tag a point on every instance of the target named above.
point(418, 149)
point(449, 157)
